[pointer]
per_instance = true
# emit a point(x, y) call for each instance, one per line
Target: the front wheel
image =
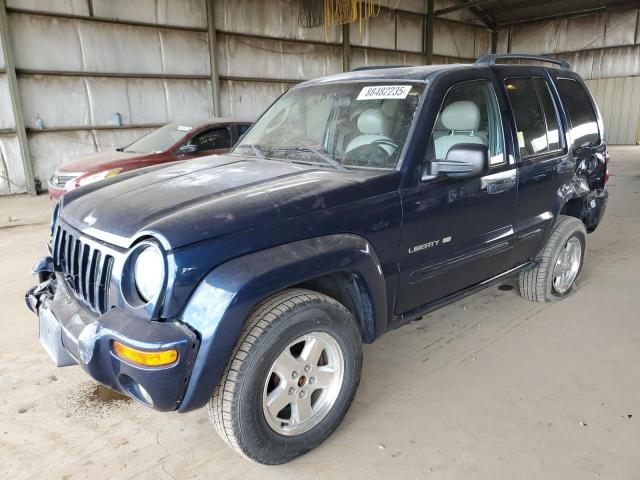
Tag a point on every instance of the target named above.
point(560, 264)
point(292, 376)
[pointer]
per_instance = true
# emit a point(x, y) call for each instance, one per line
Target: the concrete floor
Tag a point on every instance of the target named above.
point(490, 387)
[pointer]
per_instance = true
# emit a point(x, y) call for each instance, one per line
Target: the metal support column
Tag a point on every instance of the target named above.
point(16, 104)
point(494, 41)
point(346, 48)
point(215, 80)
point(428, 34)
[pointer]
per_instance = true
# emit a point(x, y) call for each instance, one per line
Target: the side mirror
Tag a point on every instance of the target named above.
point(464, 160)
point(187, 150)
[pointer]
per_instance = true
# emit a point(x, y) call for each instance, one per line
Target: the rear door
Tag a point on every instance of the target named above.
point(545, 165)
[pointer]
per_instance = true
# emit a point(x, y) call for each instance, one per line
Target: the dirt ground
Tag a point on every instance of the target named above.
point(491, 387)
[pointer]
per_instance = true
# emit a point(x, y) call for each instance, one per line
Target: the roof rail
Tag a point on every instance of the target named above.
point(491, 58)
point(376, 67)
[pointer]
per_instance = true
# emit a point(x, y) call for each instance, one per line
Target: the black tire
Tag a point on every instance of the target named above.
point(536, 284)
point(236, 408)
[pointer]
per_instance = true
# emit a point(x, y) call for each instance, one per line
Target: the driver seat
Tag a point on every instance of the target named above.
point(372, 125)
point(462, 120)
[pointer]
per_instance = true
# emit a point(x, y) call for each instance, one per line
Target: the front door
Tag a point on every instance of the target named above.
point(457, 233)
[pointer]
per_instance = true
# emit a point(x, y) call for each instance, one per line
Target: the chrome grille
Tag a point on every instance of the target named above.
point(86, 267)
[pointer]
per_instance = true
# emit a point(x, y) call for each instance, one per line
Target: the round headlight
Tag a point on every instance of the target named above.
point(149, 272)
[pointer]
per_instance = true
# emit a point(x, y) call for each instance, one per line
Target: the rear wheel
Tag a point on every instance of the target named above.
point(291, 377)
point(560, 263)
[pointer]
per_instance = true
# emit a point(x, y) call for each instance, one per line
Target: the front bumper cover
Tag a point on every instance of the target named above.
point(76, 335)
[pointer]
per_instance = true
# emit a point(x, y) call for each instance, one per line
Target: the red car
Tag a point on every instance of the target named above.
point(174, 141)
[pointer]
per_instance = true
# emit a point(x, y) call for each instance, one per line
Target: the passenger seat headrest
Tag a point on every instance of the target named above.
point(463, 115)
point(372, 122)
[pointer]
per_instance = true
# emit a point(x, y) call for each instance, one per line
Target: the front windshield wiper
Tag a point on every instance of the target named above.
point(334, 163)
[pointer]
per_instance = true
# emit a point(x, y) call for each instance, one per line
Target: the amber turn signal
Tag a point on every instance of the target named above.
point(148, 359)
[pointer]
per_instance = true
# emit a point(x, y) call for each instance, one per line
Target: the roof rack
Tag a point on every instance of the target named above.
point(376, 67)
point(491, 58)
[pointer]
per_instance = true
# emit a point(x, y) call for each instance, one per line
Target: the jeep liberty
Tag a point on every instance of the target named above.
point(358, 202)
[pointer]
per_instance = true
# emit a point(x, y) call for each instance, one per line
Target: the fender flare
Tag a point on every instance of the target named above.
point(219, 306)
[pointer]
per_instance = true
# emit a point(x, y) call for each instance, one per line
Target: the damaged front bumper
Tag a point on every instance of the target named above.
point(72, 334)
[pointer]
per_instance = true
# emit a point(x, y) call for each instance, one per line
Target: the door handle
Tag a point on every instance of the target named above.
point(500, 185)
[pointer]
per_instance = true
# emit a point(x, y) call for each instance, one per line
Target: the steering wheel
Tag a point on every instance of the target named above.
point(369, 155)
point(383, 141)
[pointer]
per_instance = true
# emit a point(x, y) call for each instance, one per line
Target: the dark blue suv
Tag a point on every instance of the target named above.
point(356, 203)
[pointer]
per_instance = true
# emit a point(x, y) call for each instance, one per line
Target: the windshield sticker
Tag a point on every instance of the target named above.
point(384, 91)
point(184, 128)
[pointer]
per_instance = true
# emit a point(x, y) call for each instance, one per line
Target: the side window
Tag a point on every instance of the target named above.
point(469, 114)
point(242, 129)
point(584, 124)
point(530, 121)
point(550, 113)
point(212, 139)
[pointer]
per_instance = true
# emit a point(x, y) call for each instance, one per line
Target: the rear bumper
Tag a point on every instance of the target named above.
point(594, 208)
point(73, 334)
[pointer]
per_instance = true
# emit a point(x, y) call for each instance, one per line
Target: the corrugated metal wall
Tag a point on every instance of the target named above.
point(619, 103)
point(262, 50)
point(79, 62)
point(604, 49)
point(75, 73)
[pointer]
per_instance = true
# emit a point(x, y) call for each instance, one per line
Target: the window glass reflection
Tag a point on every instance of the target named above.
point(583, 119)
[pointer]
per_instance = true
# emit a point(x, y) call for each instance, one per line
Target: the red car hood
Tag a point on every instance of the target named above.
point(101, 161)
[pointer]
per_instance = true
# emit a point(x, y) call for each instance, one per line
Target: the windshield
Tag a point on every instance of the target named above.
point(159, 140)
point(336, 125)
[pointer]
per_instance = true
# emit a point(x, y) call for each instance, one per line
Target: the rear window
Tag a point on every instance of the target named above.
point(584, 124)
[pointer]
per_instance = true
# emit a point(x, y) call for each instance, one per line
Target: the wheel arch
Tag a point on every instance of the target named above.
point(350, 289)
point(589, 208)
point(222, 301)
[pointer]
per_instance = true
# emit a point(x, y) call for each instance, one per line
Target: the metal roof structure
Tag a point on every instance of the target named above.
point(507, 12)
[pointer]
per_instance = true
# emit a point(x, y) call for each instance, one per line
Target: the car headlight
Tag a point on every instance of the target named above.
point(98, 176)
point(148, 272)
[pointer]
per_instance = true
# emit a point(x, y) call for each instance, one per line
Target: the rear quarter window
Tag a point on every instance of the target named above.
point(577, 103)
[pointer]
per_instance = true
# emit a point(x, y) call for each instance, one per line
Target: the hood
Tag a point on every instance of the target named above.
point(99, 161)
point(186, 202)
